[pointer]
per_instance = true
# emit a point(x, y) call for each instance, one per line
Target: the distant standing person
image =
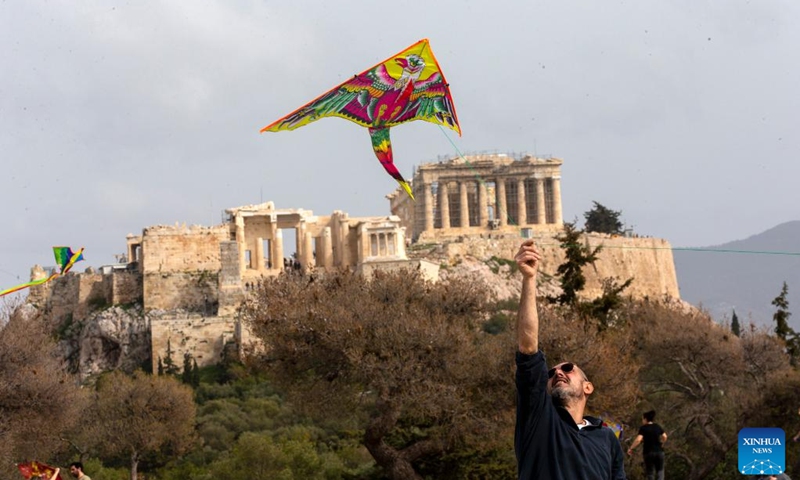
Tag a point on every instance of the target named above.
point(653, 437)
point(76, 469)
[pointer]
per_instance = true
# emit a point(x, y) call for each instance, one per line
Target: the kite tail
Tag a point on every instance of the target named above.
point(26, 285)
point(382, 146)
point(65, 258)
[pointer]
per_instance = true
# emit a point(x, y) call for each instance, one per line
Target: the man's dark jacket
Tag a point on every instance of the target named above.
point(547, 441)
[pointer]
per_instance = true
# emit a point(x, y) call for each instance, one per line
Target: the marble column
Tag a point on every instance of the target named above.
point(444, 204)
point(327, 249)
point(273, 253)
point(240, 241)
point(502, 209)
point(522, 208)
point(364, 243)
point(483, 205)
point(464, 201)
point(557, 200)
point(302, 254)
point(277, 260)
point(308, 251)
point(541, 214)
point(259, 255)
point(344, 248)
point(400, 246)
point(428, 200)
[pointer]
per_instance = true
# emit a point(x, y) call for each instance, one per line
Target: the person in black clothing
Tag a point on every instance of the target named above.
point(653, 437)
point(553, 440)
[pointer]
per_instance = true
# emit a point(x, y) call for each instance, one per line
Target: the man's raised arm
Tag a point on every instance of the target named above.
point(528, 258)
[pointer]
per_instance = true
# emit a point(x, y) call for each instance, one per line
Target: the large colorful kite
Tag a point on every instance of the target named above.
point(34, 470)
point(405, 87)
point(65, 259)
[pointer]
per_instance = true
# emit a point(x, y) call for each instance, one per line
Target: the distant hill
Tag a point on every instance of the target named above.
point(747, 282)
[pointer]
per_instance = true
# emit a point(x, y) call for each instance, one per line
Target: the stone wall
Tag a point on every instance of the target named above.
point(62, 300)
point(167, 249)
point(181, 267)
point(94, 291)
point(230, 279)
point(204, 338)
point(126, 287)
point(76, 295)
point(196, 291)
point(648, 261)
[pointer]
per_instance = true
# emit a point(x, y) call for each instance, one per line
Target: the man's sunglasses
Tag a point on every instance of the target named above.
point(566, 368)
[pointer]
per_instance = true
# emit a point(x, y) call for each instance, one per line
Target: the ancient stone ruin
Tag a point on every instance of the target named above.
point(177, 291)
point(476, 194)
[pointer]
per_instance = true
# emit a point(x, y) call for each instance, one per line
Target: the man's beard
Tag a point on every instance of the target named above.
point(563, 395)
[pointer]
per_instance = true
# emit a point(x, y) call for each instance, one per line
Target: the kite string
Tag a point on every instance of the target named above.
point(688, 249)
point(510, 221)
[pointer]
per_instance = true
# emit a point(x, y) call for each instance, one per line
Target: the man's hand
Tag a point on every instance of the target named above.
point(528, 258)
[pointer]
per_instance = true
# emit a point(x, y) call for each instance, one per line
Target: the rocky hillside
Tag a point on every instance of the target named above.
point(113, 338)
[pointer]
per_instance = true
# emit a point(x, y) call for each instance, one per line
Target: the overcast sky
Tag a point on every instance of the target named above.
point(115, 116)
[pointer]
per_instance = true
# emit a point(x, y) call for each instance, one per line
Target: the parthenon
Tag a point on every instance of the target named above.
point(472, 194)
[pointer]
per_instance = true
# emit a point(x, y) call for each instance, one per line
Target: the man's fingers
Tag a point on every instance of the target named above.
point(530, 251)
point(529, 259)
point(528, 248)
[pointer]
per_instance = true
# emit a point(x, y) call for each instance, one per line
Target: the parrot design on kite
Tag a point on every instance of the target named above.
point(405, 87)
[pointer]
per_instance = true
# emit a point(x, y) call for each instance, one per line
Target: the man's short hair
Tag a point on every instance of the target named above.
point(650, 416)
point(77, 465)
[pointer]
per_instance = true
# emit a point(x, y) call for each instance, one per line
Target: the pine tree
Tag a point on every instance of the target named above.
point(782, 328)
point(603, 220)
point(186, 375)
point(160, 366)
point(169, 364)
point(782, 314)
point(735, 327)
point(571, 271)
point(601, 307)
